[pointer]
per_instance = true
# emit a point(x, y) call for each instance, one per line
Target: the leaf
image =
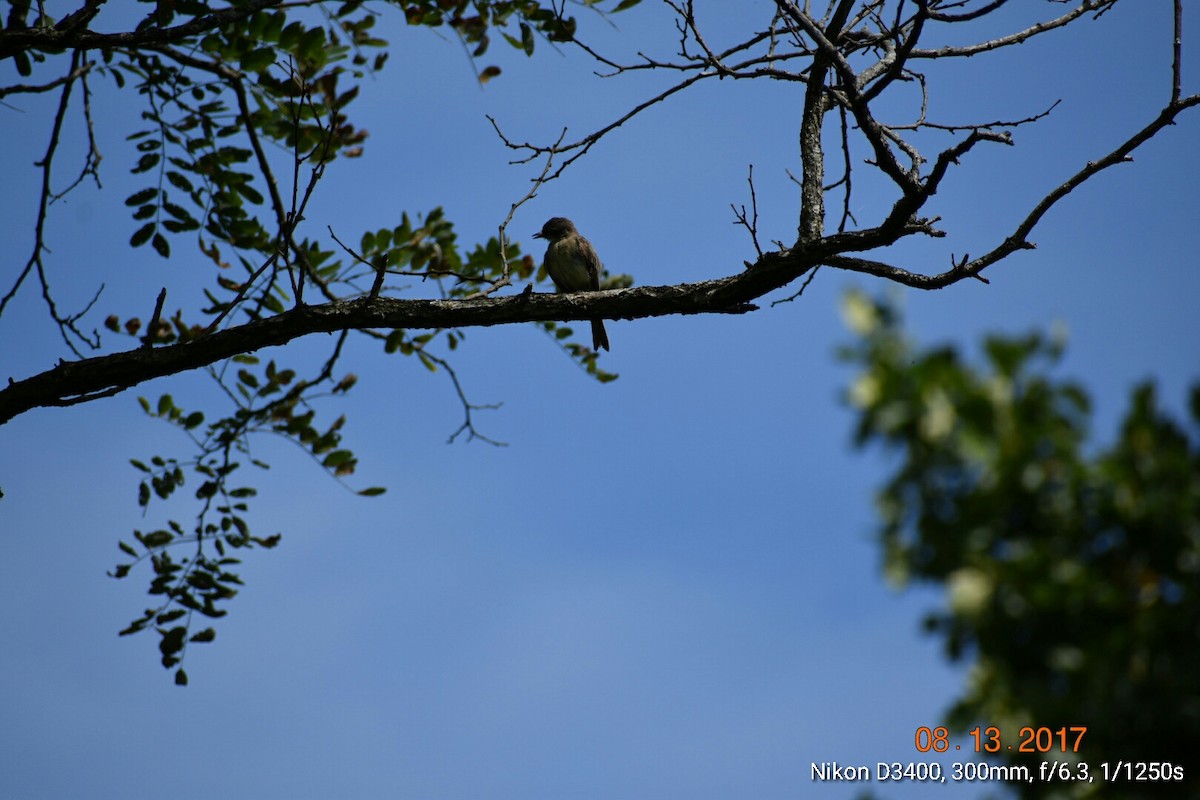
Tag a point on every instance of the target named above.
point(179, 212)
point(181, 678)
point(146, 162)
point(527, 39)
point(180, 182)
point(144, 196)
point(160, 245)
point(201, 580)
point(250, 193)
point(206, 635)
point(258, 60)
point(373, 491)
point(172, 641)
point(156, 539)
point(142, 235)
point(337, 458)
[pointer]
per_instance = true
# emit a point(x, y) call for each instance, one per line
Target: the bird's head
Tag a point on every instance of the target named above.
point(555, 229)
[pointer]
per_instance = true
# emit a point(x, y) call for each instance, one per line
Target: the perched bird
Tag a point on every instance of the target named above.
point(573, 265)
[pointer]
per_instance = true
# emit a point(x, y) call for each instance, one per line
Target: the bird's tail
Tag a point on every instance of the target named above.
point(599, 335)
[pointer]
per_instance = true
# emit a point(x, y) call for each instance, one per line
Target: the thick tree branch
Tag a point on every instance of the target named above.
point(79, 381)
point(67, 35)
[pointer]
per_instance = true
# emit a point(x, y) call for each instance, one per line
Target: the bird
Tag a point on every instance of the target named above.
point(573, 265)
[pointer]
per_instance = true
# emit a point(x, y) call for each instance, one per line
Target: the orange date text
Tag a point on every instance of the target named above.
point(988, 740)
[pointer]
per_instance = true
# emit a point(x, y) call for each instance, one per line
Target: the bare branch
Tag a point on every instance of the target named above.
point(1177, 53)
point(538, 182)
point(66, 323)
point(19, 88)
point(1019, 37)
point(1118, 156)
point(750, 223)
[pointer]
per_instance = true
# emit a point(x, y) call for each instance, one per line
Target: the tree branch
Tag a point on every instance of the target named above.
point(77, 381)
point(66, 34)
point(1014, 38)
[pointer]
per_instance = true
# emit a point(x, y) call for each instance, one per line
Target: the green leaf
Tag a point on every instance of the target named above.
point(181, 678)
point(290, 35)
point(179, 212)
point(250, 193)
point(312, 45)
point(373, 491)
point(180, 182)
point(147, 162)
point(144, 196)
point(160, 245)
point(258, 60)
point(201, 580)
point(337, 458)
point(206, 635)
point(180, 227)
point(157, 539)
point(527, 39)
point(142, 235)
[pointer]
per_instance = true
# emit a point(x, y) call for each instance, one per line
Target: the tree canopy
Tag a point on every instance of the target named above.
point(1071, 568)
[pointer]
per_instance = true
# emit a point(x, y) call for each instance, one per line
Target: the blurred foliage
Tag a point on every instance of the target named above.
point(1071, 569)
point(244, 107)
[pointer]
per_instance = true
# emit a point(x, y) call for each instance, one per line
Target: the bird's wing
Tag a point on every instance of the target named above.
point(592, 262)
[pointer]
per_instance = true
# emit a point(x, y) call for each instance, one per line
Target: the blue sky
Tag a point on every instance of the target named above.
point(663, 587)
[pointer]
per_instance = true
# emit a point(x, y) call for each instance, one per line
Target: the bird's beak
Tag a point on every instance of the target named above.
point(538, 235)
